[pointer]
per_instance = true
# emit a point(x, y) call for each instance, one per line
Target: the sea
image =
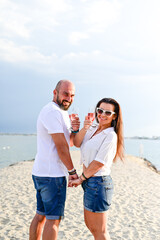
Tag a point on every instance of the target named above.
point(22, 147)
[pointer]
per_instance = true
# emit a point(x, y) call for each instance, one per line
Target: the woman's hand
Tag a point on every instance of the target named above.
point(78, 138)
point(87, 123)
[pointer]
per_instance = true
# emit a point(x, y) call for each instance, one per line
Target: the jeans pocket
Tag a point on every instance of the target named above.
point(40, 182)
point(107, 183)
point(60, 182)
point(109, 194)
point(91, 185)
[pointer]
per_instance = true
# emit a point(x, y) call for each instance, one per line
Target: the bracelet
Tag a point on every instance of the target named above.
point(73, 172)
point(81, 179)
point(84, 176)
point(72, 131)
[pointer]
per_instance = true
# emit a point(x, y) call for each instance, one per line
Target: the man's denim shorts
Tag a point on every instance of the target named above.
point(98, 193)
point(51, 196)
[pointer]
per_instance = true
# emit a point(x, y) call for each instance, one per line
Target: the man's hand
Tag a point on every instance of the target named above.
point(75, 124)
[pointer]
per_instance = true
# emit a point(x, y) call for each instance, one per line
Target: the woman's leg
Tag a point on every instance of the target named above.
point(97, 224)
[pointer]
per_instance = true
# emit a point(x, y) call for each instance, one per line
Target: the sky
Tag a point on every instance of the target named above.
point(107, 48)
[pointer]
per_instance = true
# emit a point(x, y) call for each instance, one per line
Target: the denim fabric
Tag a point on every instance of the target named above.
point(51, 196)
point(98, 193)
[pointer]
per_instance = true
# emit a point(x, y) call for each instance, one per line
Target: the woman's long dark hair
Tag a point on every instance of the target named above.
point(117, 124)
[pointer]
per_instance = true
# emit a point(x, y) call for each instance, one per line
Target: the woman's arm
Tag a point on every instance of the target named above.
point(88, 172)
point(77, 141)
point(93, 167)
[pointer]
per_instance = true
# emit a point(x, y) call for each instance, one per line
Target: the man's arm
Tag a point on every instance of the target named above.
point(62, 149)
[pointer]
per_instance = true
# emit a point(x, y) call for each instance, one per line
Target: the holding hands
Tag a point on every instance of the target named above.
point(77, 182)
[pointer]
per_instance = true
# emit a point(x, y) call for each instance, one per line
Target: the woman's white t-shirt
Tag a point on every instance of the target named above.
point(101, 147)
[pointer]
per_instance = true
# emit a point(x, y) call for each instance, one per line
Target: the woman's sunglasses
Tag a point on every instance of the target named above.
point(106, 112)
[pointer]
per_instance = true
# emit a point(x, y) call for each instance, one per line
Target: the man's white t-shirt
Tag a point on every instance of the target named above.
point(50, 120)
point(101, 147)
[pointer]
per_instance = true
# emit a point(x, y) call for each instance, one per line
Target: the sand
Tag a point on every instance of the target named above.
point(134, 214)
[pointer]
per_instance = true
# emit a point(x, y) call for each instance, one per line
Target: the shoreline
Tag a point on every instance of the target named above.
point(148, 163)
point(133, 137)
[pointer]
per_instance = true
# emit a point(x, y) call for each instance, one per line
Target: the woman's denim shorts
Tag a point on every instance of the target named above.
point(98, 193)
point(51, 196)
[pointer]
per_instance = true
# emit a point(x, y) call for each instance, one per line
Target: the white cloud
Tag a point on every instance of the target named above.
point(12, 20)
point(54, 6)
point(74, 56)
point(76, 37)
point(142, 79)
point(22, 18)
point(101, 14)
point(32, 19)
point(95, 17)
point(22, 54)
point(51, 13)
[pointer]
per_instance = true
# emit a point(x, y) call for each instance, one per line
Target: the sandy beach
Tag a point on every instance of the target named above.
point(134, 214)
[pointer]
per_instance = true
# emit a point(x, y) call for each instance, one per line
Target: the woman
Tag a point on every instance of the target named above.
point(100, 146)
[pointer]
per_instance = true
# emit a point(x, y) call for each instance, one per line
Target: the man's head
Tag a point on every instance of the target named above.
point(64, 94)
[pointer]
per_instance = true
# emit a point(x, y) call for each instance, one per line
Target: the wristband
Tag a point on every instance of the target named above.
point(81, 179)
point(72, 172)
point(72, 131)
point(84, 176)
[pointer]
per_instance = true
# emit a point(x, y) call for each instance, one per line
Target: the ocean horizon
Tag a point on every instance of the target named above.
point(17, 147)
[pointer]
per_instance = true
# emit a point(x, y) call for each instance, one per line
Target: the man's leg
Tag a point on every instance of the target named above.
point(54, 206)
point(36, 227)
point(50, 231)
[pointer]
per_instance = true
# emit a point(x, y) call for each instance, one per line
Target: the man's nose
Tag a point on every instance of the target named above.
point(68, 98)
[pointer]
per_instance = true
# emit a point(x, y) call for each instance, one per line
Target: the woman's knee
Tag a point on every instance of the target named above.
point(98, 232)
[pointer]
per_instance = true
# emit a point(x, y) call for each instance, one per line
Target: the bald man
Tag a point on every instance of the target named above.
point(53, 162)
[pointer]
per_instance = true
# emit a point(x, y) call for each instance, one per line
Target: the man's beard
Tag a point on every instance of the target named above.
point(65, 108)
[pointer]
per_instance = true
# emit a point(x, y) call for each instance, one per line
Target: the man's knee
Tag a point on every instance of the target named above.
point(39, 218)
point(54, 224)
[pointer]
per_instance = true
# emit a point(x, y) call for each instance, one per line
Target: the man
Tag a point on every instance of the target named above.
point(53, 162)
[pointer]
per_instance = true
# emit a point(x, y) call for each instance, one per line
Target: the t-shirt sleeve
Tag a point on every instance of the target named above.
point(53, 122)
point(107, 150)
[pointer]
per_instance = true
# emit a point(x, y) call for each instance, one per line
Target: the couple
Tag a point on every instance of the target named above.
point(100, 146)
